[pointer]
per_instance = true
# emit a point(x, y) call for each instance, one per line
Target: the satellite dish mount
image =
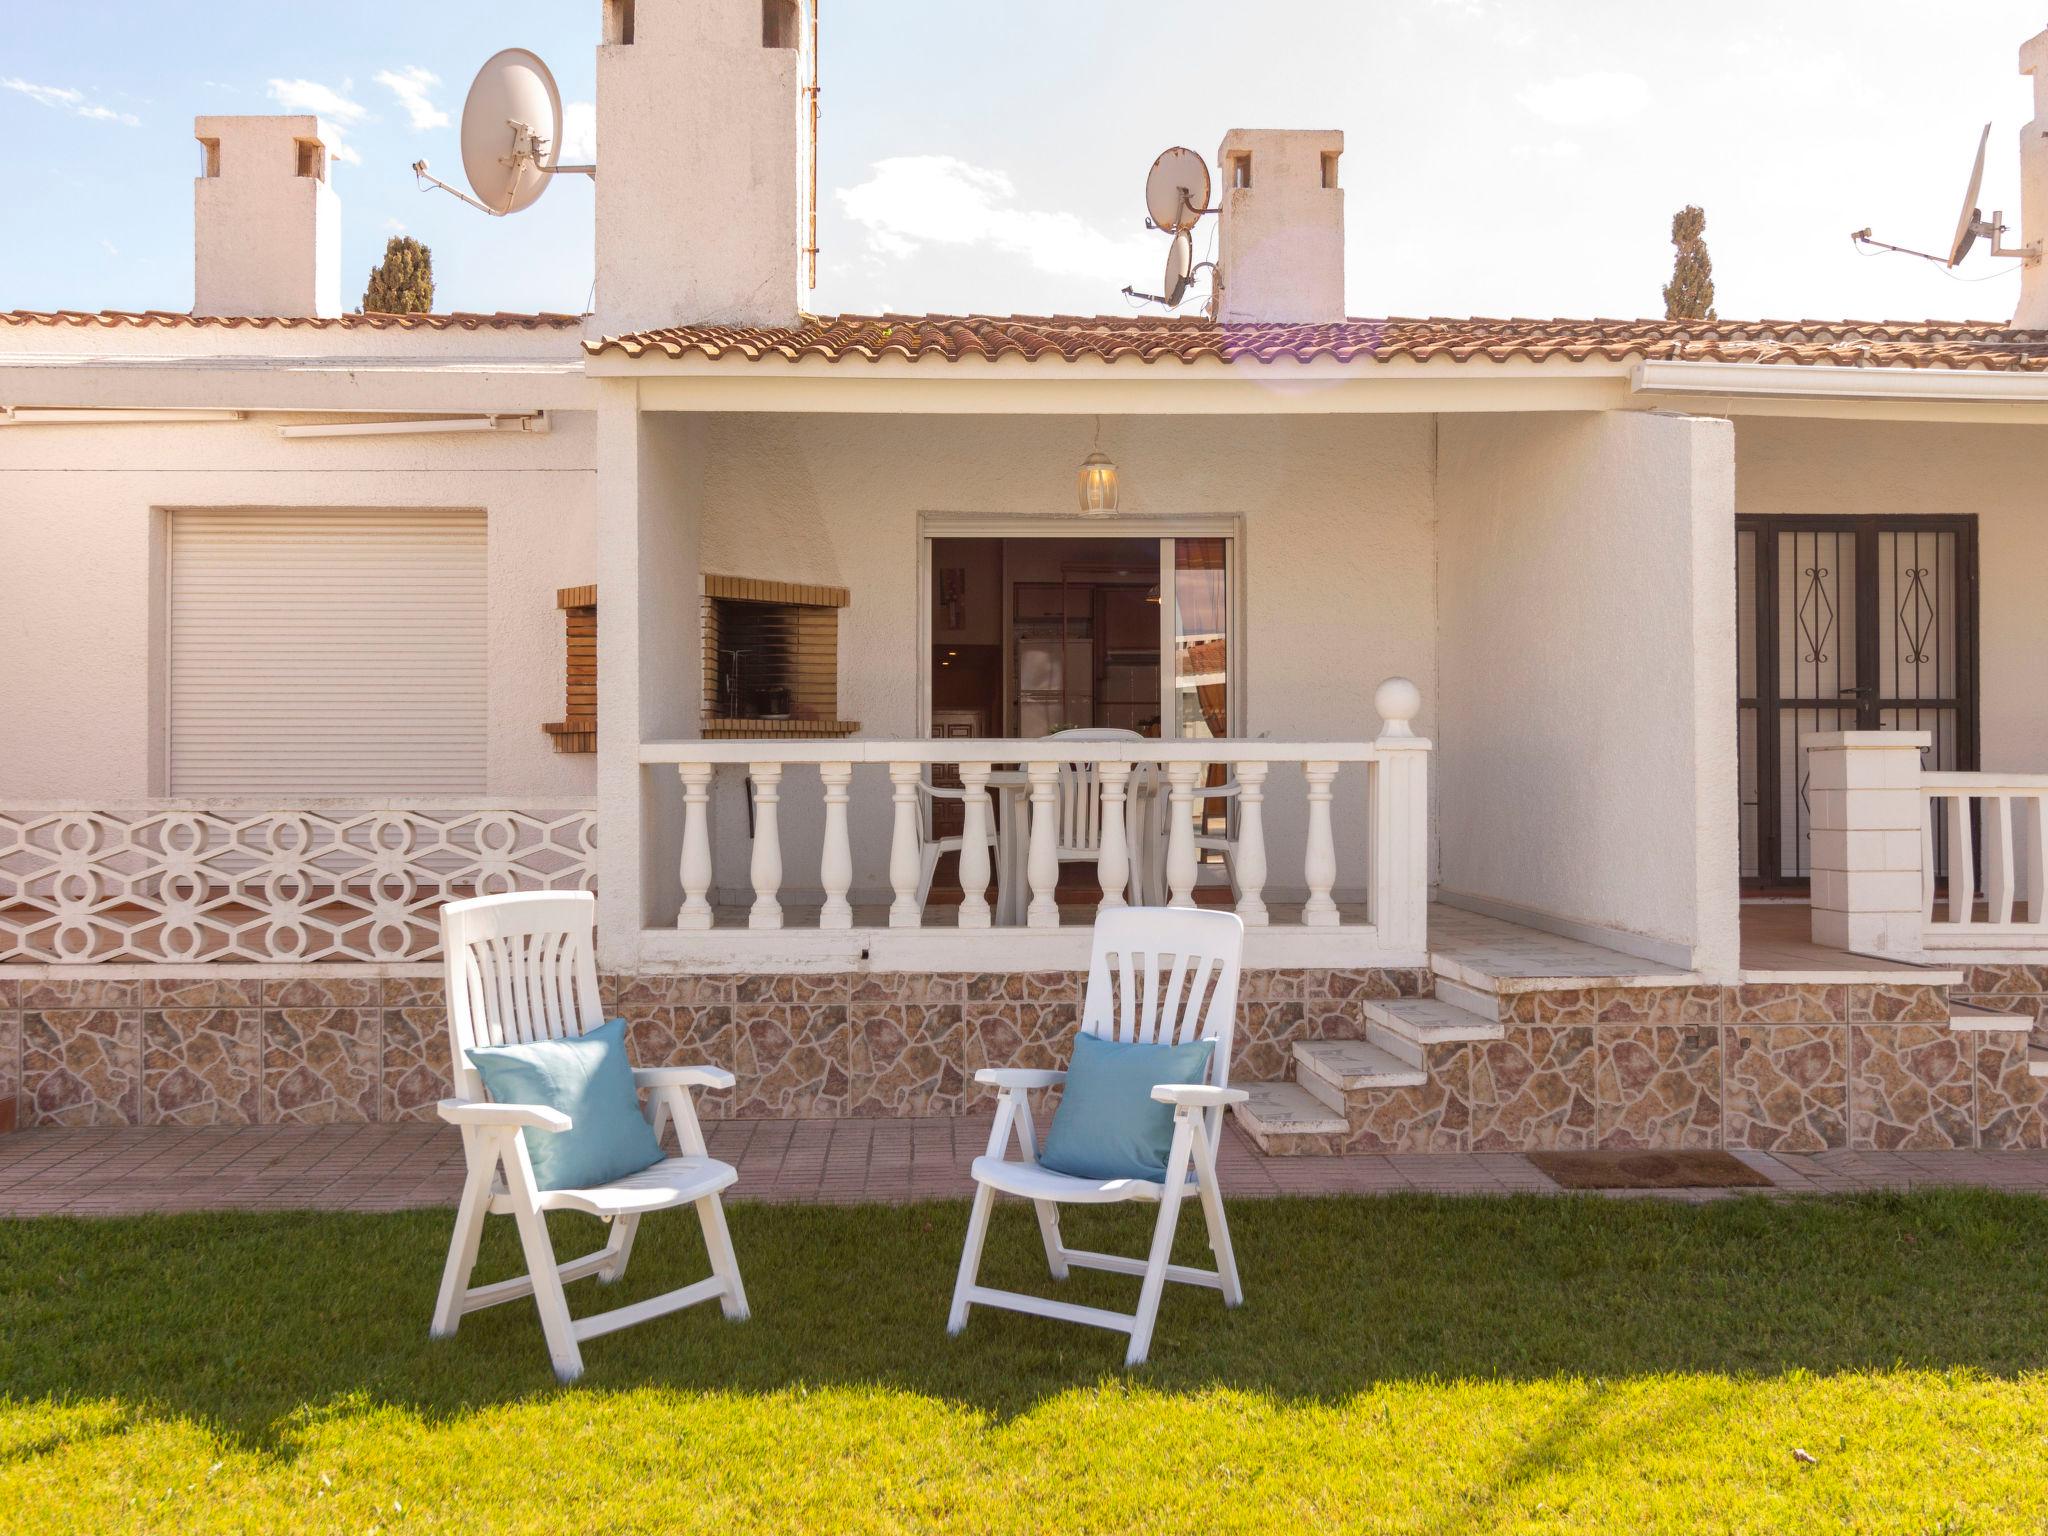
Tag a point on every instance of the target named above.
point(511, 134)
point(1971, 226)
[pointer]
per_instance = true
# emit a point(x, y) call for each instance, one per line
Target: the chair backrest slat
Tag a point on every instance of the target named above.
point(1168, 976)
point(520, 967)
point(1079, 802)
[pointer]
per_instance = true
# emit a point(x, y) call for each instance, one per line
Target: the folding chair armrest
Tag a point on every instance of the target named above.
point(1020, 1077)
point(1197, 1095)
point(478, 1112)
point(682, 1077)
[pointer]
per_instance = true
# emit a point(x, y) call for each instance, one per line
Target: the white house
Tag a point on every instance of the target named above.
point(298, 642)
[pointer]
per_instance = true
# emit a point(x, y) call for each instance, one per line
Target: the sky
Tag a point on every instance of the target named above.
point(1501, 158)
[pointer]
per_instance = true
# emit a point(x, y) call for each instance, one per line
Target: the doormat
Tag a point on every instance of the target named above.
point(1649, 1170)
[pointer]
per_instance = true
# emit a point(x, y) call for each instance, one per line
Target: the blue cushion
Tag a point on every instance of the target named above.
point(588, 1079)
point(1107, 1126)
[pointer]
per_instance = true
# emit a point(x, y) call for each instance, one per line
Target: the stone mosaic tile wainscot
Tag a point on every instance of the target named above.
point(81, 1066)
point(202, 1065)
point(1785, 1086)
point(1912, 1088)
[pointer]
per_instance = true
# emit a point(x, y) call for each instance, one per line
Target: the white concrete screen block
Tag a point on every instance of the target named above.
point(1863, 788)
point(1280, 256)
point(700, 163)
point(266, 226)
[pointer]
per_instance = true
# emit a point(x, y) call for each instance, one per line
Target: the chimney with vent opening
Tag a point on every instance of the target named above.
point(266, 227)
point(1280, 253)
point(701, 162)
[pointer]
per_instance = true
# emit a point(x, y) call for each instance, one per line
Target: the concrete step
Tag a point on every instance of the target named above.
point(1330, 1069)
point(2037, 1061)
point(1408, 1026)
point(1966, 1016)
point(1286, 1117)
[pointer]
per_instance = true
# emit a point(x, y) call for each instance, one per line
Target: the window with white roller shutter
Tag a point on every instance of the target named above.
point(327, 653)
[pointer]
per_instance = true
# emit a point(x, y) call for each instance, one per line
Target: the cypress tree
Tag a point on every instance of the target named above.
point(1690, 293)
point(403, 284)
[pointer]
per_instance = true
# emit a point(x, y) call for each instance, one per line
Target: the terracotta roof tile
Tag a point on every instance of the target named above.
point(1984, 344)
point(112, 318)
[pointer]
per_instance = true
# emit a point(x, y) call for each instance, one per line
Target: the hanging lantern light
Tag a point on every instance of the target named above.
point(1098, 480)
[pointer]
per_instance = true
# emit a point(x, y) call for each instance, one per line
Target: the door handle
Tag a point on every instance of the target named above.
point(1862, 691)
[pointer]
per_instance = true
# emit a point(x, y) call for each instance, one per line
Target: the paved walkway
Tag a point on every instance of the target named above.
point(394, 1167)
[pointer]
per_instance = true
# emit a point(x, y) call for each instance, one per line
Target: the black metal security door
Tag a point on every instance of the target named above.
point(1846, 624)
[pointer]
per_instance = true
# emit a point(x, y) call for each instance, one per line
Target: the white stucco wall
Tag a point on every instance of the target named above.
point(1338, 581)
point(80, 532)
point(1586, 746)
point(1905, 468)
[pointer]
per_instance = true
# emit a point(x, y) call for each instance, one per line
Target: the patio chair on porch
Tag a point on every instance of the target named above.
point(521, 968)
point(1156, 975)
point(931, 849)
point(1080, 813)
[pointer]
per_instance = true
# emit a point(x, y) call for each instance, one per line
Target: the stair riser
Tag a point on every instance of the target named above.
point(1321, 1087)
point(1394, 1043)
point(1485, 1004)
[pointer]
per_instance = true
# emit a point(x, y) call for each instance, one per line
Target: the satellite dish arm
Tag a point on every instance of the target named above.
point(420, 171)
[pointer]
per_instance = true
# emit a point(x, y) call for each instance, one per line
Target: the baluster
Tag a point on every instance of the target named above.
point(696, 861)
point(2035, 815)
point(1998, 883)
point(1319, 864)
point(1962, 890)
point(767, 863)
point(905, 863)
point(1930, 808)
point(835, 860)
point(974, 911)
point(1180, 833)
point(1113, 854)
point(1251, 843)
point(1043, 871)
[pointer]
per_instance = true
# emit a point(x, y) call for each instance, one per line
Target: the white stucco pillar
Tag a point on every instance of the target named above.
point(649, 656)
point(1863, 790)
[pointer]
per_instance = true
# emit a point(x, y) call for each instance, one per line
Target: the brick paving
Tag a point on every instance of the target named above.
point(110, 1172)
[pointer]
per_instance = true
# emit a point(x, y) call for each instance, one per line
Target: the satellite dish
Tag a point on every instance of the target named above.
point(1180, 265)
point(1177, 189)
point(511, 131)
point(1966, 225)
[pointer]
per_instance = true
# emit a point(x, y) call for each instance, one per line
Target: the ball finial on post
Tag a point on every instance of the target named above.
point(1399, 701)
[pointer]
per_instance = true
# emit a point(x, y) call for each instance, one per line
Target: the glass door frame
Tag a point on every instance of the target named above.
point(943, 525)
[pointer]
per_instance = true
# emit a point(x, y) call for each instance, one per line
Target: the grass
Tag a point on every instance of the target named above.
point(1402, 1364)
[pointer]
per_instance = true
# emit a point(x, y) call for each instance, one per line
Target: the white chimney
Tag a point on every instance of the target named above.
point(701, 163)
point(1280, 256)
point(266, 227)
point(2033, 308)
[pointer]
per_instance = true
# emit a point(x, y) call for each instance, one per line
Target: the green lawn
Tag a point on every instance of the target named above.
point(1401, 1364)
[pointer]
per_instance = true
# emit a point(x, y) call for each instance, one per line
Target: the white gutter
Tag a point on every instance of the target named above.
point(1816, 381)
point(530, 421)
point(60, 415)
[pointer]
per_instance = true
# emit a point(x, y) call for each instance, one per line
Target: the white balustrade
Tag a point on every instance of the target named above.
point(1148, 840)
point(1996, 831)
point(234, 880)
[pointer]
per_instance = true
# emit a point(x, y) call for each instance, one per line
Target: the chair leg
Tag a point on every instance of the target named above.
point(1212, 1214)
point(724, 1262)
point(1048, 1212)
point(970, 1256)
point(620, 1249)
point(464, 1241)
point(548, 1299)
point(1162, 1243)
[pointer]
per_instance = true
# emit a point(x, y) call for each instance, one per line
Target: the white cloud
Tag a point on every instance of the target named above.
point(410, 85)
point(914, 200)
point(63, 99)
point(110, 248)
point(1556, 149)
point(333, 107)
point(396, 226)
point(579, 133)
point(1581, 101)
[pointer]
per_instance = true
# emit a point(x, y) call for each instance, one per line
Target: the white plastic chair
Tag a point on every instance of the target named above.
point(1159, 975)
point(1080, 810)
point(520, 968)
